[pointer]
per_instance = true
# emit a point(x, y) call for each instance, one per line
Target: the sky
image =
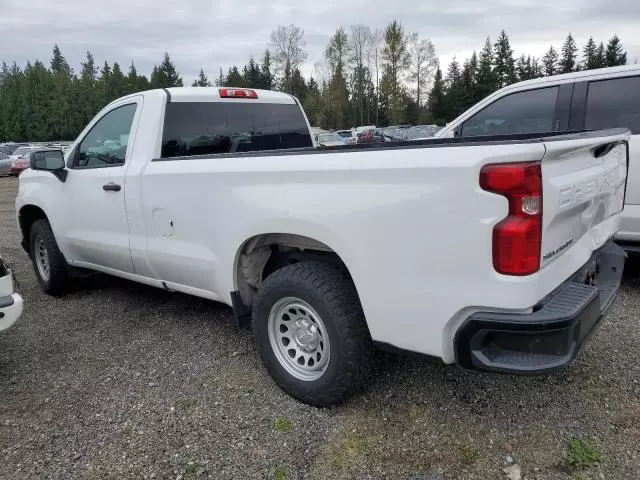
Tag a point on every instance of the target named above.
point(214, 34)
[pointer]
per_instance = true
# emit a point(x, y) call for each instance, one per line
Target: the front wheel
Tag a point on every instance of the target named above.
point(311, 332)
point(49, 264)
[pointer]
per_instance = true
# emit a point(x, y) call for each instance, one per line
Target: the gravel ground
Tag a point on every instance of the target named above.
point(117, 380)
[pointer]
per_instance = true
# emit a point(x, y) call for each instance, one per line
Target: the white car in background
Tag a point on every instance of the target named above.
point(330, 140)
point(348, 135)
point(10, 301)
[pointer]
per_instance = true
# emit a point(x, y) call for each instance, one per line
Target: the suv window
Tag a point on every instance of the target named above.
point(531, 111)
point(106, 143)
point(205, 128)
point(614, 103)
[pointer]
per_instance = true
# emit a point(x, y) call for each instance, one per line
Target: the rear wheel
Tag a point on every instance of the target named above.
point(311, 333)
point(49, 264)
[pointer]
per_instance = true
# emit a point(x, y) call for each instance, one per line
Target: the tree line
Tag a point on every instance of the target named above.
point(381, 77)
point(495, 67)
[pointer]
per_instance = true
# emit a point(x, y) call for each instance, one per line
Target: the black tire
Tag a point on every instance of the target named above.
point(331, 293)
point(59, 278)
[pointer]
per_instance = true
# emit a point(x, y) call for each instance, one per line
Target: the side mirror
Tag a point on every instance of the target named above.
point(50, 161)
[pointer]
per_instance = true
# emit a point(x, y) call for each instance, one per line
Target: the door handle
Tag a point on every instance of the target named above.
point(111, 187)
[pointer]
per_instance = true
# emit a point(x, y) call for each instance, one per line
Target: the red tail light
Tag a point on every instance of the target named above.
point(237, 93)
point(516, 239)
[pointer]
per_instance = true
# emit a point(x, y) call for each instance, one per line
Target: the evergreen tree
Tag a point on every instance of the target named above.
point(468, 79)
point(59, 111)
point(486, 79)
point(201, 81)
point(550, 62)
point(234, 78)
point(252, 75)
point(88, 103)
point(221, 81)
point(569, 54)
point(521, 68)
point(266, 77)
point(455, 93)
point(89, 70)
point(589, 55)
point(165, 75)
point(312, 102)
point(600, 60)
point(615, 55)
point(58, 62)
point(536, 68)
point(504, 68)
point(132, 79)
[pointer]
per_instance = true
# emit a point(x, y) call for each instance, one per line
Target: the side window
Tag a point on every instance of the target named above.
point(531, 111)
point(106, 143)
point(614, 103)
point(207, 128)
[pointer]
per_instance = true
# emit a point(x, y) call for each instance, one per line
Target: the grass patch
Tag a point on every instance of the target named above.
point(582, 454)
point(468, 453)
point(347, 451)
point(194, 469)
point(280, 473)
point(282, 425)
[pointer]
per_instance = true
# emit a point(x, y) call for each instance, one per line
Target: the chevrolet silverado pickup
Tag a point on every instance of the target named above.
point(492, 254)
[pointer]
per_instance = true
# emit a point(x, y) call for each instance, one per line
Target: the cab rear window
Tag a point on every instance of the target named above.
point(206, 128)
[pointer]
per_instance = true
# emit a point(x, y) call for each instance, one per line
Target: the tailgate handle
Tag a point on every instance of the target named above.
point(602, 150)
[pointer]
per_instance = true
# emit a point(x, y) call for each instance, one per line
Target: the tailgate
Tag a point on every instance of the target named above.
point(584, 180)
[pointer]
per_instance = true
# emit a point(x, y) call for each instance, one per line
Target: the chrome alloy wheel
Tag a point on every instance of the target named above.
point(42, 259)
point(299, 338)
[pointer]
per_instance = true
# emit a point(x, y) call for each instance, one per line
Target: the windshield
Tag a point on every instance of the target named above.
point(20, 151)
point(344, 133)
point(26, 153)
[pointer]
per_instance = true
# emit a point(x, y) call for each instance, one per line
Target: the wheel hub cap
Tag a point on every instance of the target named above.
point(306, 335)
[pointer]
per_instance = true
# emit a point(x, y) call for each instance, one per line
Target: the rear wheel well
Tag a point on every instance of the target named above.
point(262, 255)
point(26, 217)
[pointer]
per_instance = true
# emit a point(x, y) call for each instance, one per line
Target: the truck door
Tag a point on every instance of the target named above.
point(96, 230)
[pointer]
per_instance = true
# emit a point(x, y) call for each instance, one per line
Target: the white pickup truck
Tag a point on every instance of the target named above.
point(492, 254)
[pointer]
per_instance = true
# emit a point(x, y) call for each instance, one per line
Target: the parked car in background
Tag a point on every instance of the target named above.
point(394, 133)
point(330, 140)
point(20, 151)
point(348, 135)
point(371, 135)
point(22, 162)
point(10, 301)
point(5, 164)
point(18, 166)
point(9, 148)
point(587, 100)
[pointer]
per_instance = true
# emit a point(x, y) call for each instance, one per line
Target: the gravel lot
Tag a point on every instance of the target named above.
point(118, 380)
